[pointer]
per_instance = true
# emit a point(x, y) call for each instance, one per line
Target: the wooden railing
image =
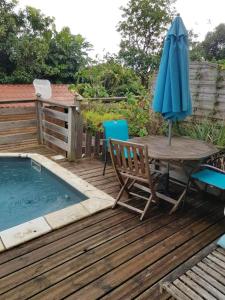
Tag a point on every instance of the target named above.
point(62, 126)
point(58, 126)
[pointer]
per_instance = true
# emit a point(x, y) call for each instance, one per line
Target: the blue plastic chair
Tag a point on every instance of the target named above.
point(114, 129)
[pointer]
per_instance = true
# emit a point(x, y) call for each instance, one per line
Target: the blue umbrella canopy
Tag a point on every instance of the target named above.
point(172, 93)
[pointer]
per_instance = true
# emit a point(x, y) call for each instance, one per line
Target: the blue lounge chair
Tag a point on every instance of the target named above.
point(212, 173)
point(114, 129)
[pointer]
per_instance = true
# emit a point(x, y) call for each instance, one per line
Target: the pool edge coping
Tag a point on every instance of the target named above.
point(96, 201)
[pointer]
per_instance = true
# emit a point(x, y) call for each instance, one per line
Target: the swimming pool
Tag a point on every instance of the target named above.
point(37, 195)
point(29, 190)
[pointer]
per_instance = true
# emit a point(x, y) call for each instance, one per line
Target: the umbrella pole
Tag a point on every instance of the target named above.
point(168, 165)
point(170, 131)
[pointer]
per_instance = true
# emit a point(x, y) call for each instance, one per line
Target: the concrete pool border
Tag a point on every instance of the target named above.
point(97, 201)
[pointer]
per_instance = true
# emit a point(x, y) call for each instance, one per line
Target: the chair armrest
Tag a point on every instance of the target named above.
point(213, 168)
point(208, 167)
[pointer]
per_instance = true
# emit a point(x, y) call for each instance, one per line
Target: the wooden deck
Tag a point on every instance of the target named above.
point(204, 280)
point(110, 255)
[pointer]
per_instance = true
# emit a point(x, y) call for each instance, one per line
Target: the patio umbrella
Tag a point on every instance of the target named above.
point(172, 93)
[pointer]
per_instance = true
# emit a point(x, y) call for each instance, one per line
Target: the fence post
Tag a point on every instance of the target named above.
point(38, 105)
point(71, 133)
point(78, 132)
point(78, 126)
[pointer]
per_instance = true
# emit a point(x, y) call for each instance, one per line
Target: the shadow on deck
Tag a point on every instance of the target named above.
point(110, 255)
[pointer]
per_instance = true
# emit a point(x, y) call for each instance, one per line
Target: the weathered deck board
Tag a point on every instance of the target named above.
point(200, 281)
point(110, 255)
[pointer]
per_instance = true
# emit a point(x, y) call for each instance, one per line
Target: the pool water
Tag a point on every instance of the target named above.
point(28, 191)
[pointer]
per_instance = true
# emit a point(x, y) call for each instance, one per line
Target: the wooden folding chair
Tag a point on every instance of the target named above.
point(131, 165)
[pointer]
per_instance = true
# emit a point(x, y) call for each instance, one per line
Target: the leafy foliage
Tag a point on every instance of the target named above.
point(212, 48)
point(94, 119)
point(206, 130)
point(135, 111)
point(143, 28)
point(214, 44)
point(196, 52)
point(30, 47)
point(107, 79)
point(67, 54)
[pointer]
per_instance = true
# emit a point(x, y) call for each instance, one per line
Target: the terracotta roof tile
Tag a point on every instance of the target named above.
point(60, 92)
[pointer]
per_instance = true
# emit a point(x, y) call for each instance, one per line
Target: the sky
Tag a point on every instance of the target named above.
point(97, 20)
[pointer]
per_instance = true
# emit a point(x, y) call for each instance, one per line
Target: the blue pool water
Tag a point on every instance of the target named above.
point(26, 192)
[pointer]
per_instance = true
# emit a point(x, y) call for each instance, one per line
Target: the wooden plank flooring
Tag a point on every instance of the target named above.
point(204, 280)
point(110, 255)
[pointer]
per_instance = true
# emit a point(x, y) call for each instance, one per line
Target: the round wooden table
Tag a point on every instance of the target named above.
point(181, 148)
point(181, 151)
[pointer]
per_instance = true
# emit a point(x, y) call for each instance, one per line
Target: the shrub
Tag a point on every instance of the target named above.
point(206, 130)
point(94, 119)
point(143, 121)
point(135, 111)
point(107, 79)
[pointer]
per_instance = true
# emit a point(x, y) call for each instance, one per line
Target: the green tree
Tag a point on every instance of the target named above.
point(195, 47)
point(67, 54)
point(31, 47)
point(143, 27)
point(214, 44)
point(10, 24)
point(108, 79)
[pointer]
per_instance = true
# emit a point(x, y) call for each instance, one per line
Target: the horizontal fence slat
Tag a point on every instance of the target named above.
point(16, 101)
point(59, 129)
point(207, 80)
point(206, 64)
point(57, 142)
point(19, 137)
point(55, 114)
point(108, 99)
point(4, 111)
point(17, 124)
point(58, 103)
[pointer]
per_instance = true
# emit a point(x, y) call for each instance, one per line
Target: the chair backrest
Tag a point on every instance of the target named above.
point(218, 160)
point(130, 160)
point(116, 129)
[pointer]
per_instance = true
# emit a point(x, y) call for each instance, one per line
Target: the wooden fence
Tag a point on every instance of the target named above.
point(61, 126)
point(207, 82)
point(18, 122)
point(56, 124)
point(207, 85)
